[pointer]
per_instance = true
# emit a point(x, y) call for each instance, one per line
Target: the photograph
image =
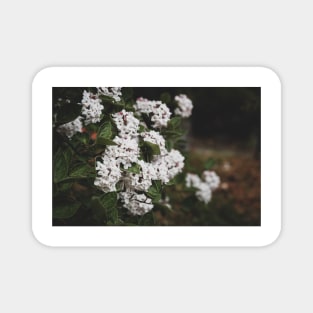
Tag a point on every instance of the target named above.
point(156, 156)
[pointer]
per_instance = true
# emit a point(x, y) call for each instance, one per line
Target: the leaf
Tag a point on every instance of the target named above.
point(154, 192)
point(141, 129)
point(105, 131)
point(174, 123)
point(153, 148)
point(209, 164)
point(82, 170)
point(105, 206)
point(135, 168)
point(147, 219)
point(60, 165)
point(64, 186)
point(106, 142)
point(166, 98)
point(127, 93)
point(65, 210)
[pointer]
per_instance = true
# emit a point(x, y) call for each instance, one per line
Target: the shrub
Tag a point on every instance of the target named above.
point(114, 158)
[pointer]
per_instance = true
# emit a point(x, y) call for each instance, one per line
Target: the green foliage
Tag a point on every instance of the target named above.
point(166, 98)
point(209, 164)
point(82, 170)
point(61, 163)
point(154, 192)
point(147, 219)
point(105, 207)
point(106, 133)
point(135, 168)
point(64, 208)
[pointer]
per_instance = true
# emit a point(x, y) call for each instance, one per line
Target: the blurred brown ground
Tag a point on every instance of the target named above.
point(237, 202)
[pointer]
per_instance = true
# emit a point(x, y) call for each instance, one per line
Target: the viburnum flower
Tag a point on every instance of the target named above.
point(71, 128)
point(136, 203)
point(92, 108)
point(185, 106)
point(114, 92)
point(168, 165)
point(155, 138)
point(160, 113)
point(204, 187)
point(204, 193)
point(211, 179)
point(126, 123)
point(143, 180)
point(125, 152)
point(109, 173)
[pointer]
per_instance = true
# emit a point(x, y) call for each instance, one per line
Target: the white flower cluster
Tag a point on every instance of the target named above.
point(159, 111)
point(92, 108)
point(136, 203)
point(71, 128)
point(184, 106)
point(114, 92)
point(212, 179)
point(169, 165)
point(126, 124)
point(127, 152)
point(204, 187)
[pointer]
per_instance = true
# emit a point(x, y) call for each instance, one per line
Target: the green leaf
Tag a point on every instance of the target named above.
point(174, 123)
point(147, 219)
point(141, 129)
point(153, 148)
point(105, 206)
point(135, 168)
point(82, 170)
point(64, 186)
point(209, 164)
point(105, 131)
point(127, 93)
point(60, 164)
point(65, 210)
point(106, 142)
point(166, 98)
point(154, 192)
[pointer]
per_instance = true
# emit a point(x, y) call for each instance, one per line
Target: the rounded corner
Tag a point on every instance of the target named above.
point(41, 73)
point(274, 238)
point(271, 73)
point(39, 240)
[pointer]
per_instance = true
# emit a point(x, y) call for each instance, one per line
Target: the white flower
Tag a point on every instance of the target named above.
point(114, 92)
point(155, 138)
point(109, 174)
point(184, 106)
point(71, 128)
point(92, 108)
point(204, 192)
point(125, 152)
point(136, 203)
point(211, 179)
point(160, 112)
point(143, 180)
point(168, 165)
point(126, 123)
point(204, 187)
point(192, 180)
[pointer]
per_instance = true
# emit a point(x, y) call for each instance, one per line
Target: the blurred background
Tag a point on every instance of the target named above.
point(224, 133)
